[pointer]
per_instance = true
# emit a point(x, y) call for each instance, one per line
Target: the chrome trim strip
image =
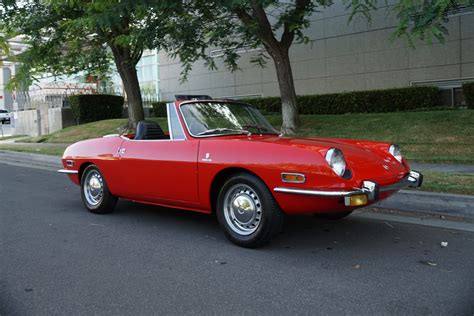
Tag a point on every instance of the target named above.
point(68, 171)
point(396, 186)
point(412, 180)
point(317, 192)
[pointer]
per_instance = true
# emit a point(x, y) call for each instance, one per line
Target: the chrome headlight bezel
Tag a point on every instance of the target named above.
point(337, 162)
point(396, 152)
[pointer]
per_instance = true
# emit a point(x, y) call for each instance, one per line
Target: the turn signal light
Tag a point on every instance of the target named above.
point(292, 177)
point(356, 200)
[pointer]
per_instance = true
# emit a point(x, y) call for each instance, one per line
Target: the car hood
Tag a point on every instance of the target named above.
point(366, 159)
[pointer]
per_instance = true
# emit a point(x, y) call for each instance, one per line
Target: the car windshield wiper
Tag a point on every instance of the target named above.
point(260, 129)
point(224, 130)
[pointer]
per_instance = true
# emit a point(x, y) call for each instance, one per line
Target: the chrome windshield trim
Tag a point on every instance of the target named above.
point(168, 116)
point(214, 135)
point(68, 171)
point(171, 107)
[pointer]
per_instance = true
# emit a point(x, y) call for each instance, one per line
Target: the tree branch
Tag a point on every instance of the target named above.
point(298, 14)
point(259, 19)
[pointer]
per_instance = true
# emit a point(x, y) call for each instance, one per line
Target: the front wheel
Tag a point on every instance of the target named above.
point(247, 211)
point(95, 192)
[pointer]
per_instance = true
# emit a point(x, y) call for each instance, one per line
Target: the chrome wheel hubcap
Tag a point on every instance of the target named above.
point(94, 188)
point(242, 209)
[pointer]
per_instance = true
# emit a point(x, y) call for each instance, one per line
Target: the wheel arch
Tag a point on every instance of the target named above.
point(220, 178)
point(83, 167)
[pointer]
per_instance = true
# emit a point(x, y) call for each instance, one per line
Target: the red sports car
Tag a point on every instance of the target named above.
point(225, 157)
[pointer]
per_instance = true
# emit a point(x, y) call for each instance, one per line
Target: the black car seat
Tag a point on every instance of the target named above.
point(149, 130)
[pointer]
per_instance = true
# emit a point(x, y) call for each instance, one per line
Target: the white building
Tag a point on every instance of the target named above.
point(341, 57)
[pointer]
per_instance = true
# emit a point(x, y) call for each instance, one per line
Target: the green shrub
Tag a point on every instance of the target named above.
point(159, 109)
point(388, 100)
point(95, 107)
point(468, 90)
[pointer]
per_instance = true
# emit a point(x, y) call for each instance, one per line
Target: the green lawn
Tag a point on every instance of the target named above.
point(461, 183)
point(44, 150)
point(439, 136)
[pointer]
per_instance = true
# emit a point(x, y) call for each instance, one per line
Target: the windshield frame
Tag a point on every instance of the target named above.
point(221, 134)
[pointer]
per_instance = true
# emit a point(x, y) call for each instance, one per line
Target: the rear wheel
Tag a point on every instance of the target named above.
point(95, 192)
point(247, 211)
point(333, 216)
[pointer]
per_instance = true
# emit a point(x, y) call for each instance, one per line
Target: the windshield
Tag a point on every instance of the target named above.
point(216, 118)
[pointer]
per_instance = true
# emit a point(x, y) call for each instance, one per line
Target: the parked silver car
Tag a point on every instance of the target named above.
point(4, 117)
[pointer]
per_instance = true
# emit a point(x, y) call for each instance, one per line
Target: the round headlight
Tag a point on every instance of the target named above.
point(396, 152)
point(336, 161)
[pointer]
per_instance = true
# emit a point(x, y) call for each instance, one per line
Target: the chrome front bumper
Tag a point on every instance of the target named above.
point(413, 180)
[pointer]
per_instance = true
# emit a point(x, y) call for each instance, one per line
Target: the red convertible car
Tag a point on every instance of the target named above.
point(224, 157)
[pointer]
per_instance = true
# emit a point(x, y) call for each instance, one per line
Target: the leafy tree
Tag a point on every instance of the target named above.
point(67, 37)
point(417, 19)
point(4, 48)
point(239, 24)
point(275, 25)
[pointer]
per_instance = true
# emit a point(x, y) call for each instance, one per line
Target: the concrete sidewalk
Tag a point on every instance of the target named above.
point(454, 168)
point(406, 200)
point(29, 160)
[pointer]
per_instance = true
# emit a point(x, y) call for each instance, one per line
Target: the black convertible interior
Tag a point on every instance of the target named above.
point(148, 130)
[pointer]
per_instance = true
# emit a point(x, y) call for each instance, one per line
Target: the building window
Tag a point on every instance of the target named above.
point(458, 97)
point(450, 91)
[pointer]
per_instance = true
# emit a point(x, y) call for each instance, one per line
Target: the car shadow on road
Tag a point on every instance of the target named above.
point(305, 233)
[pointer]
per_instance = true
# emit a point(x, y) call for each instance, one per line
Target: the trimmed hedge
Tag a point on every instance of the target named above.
point(389, 100)
point(468, 90)
point(88, 108)
point(159, 108)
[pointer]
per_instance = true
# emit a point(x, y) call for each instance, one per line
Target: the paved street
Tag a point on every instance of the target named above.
point(56, 258)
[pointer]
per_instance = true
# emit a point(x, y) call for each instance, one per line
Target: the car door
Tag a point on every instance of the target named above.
point(159, 170)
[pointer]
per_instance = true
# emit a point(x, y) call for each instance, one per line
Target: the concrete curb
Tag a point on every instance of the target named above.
point(406, 200)
point(430, 202)
point(31, 160)
point(455, 168)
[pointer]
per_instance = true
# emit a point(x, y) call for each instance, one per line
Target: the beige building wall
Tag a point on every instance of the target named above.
point(340, 57)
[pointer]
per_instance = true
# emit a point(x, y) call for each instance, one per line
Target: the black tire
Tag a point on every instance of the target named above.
point(107, 202)
point(333, 216)
point(270, 218)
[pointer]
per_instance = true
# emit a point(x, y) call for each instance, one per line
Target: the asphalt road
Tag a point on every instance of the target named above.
point(56, 258)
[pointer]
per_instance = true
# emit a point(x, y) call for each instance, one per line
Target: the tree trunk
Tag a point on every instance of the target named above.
point(134, 96)
point(289, 109)
point(128, 74)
